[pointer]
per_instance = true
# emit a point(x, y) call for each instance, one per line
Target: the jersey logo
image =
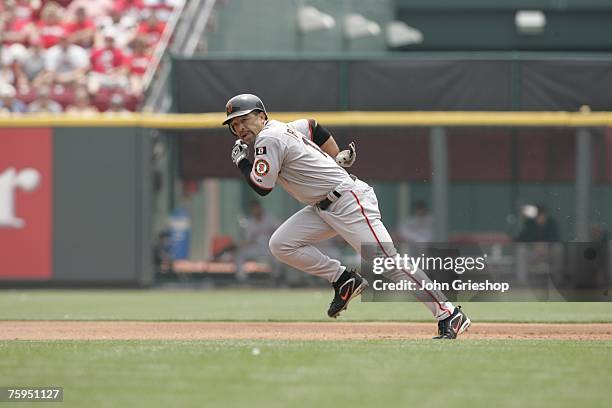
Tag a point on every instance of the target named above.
point(261, 167)
point(260, 150)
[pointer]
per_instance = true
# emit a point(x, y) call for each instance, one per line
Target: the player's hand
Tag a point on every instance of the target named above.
point(240, 151)
point(346, 158)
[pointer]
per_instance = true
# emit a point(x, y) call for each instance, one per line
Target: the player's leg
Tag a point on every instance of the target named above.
point(356, 217)
point(292, 243)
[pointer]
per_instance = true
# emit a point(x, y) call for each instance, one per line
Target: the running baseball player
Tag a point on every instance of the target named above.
point(304, 159)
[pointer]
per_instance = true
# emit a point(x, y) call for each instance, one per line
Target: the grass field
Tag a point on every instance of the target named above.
point(281, 373)
point(261, 305)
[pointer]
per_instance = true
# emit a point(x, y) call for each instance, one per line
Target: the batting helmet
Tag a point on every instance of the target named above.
point(241, 105)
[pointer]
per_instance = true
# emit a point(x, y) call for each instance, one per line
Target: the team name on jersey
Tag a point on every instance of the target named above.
point(293, 133)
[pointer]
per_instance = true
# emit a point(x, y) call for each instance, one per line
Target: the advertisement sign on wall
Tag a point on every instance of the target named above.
point(25, 203)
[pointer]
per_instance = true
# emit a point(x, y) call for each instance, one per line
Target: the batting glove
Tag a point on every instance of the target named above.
point(346, 158)
point(240, 151)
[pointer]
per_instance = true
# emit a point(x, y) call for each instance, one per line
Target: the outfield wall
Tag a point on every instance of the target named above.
point(76, 193)
point(75, 204)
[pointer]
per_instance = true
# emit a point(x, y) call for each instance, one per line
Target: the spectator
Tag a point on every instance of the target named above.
point(124, 27)
point(137, 64)
point(82, 103)
point(419, 227)
point(117, 104)
point(541, 228)
point(44, 103)
point(63, 3)
point(66, 64)
point(162, 8)
point(50, 29)
point(257, 230)
point(8, 102)
point(152, 29)
point(11, 54)
point(130, 8)
point(11, 59)
point(7, 75)
point(31, 68)
point(95, 8)
point(26, 9)
point(82, 29)
point(109, 69)
point(14, 30)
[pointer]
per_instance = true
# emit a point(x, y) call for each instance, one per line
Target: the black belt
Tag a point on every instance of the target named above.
point(326, 202)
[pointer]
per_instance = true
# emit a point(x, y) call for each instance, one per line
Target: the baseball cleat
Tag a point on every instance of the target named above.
point(349, 285)
point(453, 325)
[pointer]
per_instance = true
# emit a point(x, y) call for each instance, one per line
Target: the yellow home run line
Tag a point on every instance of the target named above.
point(352, 118)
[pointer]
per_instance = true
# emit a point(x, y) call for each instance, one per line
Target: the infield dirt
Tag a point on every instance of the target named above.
point(137, 330)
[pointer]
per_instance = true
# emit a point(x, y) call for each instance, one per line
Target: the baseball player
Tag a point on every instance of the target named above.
point(304, 159)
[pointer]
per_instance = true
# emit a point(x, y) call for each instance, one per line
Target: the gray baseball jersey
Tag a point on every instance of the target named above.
point(308, 173)
point(285, 154)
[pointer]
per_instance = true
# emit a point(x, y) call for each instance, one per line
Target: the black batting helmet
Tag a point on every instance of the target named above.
point(241, 105)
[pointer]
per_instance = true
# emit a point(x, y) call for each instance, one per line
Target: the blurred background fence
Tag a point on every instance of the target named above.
point(479, 177)
point(115, 191)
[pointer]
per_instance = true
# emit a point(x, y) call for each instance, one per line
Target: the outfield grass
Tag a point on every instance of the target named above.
point(153, 373)
point(315, 373)
point(260, 305)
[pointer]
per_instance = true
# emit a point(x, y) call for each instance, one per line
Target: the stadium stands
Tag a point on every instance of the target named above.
point(89, 55)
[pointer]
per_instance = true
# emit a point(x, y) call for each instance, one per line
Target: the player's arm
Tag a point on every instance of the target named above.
point(246, 168)
point(262, 174)
point(240, 153)
point(324, 139)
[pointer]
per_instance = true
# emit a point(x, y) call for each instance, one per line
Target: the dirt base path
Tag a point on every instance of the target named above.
point(125, 330)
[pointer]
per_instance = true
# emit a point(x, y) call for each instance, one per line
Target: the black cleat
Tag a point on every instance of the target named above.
point(453, 325)
point(349, 285)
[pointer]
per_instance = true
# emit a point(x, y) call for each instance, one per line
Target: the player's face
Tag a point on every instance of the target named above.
point(247, 127)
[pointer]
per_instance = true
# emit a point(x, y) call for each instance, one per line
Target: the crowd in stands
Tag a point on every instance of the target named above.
point(78, 56)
